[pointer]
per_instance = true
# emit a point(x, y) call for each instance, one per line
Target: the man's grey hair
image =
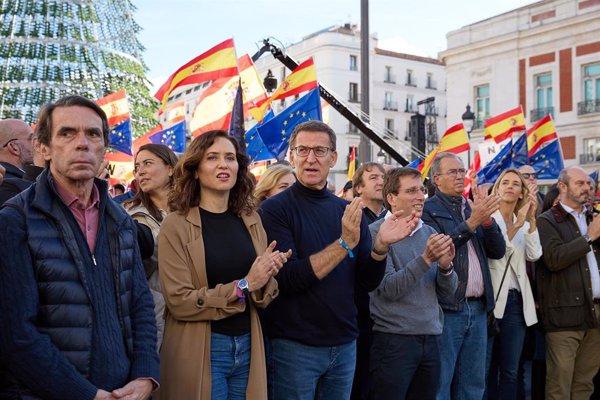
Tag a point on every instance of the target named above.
point(437, 160)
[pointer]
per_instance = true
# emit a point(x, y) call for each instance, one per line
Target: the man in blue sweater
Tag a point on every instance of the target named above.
point(312, 324)
point(76, 315)
point(405, 357)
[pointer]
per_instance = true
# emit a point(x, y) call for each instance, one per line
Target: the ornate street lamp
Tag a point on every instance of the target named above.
point(469, 122)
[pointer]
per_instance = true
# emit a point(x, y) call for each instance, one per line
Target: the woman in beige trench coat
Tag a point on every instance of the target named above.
point(212, 198)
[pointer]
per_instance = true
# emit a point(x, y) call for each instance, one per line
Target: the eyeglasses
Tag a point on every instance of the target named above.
point(304, 151)
point(528, 175)
point(414, 190)
point(454, 172)
point(9, 142)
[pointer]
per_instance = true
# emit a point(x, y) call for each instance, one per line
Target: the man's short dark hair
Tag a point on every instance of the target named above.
point(357, 181)
point(391, 182)
point(43, 130)
point(313, 126)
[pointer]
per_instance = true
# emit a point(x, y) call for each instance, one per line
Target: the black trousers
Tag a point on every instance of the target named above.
point(404, 366)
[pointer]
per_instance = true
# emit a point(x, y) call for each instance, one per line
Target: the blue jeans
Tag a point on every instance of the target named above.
point(505, 350)
point(463, 353)
point(301, 372)
point(229, 366)
point(404, 366)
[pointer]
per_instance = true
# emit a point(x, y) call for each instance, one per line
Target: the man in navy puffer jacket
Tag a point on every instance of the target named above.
point(76, 315)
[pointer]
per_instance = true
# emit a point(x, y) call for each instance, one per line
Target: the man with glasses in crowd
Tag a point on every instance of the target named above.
point(476, 238)
point(312, 326)
point(405, 357)
point(16, 151)
point(530, 175)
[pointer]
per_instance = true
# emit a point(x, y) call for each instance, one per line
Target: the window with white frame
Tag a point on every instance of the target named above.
point(482, 105)
point(353, 63)
point(389, 127)
point(591, 150)
point(543, 96)
point(388, 77)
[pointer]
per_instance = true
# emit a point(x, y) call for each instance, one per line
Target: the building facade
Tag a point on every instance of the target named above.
point(544, 56)
point(397, 83)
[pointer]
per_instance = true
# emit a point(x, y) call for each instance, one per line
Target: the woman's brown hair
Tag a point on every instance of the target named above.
point(169, 158)
point(186, 193)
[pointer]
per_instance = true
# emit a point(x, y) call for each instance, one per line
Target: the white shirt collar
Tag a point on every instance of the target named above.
point(572, 210)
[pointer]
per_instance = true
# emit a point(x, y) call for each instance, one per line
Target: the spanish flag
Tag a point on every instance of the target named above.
point(253, 90)
point(302, 79)
point(455, 140)
point(543, 131)
point(352, 164)
point(426, 165)
point(115, 106)
point(213, 110)
point(502, 126)
point(218, 62)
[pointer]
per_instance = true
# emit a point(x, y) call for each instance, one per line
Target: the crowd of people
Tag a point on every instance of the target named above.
point(203, 284)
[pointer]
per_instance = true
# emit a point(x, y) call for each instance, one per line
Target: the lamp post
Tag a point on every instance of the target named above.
point(469, 122)
point(381, 158)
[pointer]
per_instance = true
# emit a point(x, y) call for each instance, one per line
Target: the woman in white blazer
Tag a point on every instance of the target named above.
point(515, 307)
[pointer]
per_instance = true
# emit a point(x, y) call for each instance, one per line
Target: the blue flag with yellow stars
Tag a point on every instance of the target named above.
point(519, 152)
point(492, 170)
point(276, 132)
point(119, 137)
point(548, 161)
point(255, 147)
point(172, 137)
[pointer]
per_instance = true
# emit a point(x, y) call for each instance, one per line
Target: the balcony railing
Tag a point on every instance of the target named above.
point(352, 129)
point(388, 78)
point(411, 82)
point(479, 124)
point(390, 105)
point(588, 158)
point(431, 84)
point(588, 107)
point(539, 113)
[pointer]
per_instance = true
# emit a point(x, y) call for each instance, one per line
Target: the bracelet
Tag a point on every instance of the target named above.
point(346, 247)
point(446, 271)
point(378, 253)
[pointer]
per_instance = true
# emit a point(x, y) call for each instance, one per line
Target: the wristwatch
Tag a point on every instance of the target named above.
point(243, 286)
point(587, 238)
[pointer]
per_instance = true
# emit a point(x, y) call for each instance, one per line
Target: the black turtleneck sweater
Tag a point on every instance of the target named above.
point(312, 311)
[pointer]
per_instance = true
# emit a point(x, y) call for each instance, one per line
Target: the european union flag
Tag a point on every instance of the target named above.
point(594, 176)
point(255, 147)
point(276, 132)
point(119, 137)
point(173, 137)
point(519, 152)
point(548, 161)
point(492, 170)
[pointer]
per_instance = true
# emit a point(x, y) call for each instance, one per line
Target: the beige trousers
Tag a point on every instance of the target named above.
point(572, 361)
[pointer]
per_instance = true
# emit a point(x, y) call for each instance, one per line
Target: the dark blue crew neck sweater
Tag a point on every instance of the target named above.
point(312, 311)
